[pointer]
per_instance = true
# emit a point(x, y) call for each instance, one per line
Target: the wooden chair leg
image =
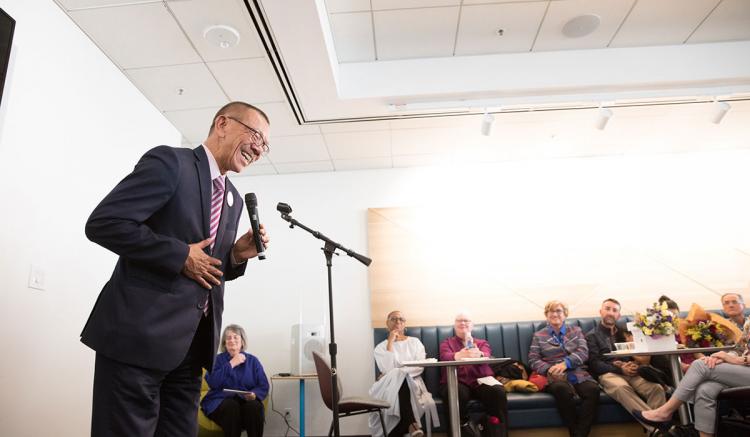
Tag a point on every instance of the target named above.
point(382, 422)
point(330, 431)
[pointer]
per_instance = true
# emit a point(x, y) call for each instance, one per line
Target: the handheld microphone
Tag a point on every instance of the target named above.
point(252, 208)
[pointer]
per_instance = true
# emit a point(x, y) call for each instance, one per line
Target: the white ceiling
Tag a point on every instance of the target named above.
point(400, 29)
point(402, 63)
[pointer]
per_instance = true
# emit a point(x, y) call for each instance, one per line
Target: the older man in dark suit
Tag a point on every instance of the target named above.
point(173, 223)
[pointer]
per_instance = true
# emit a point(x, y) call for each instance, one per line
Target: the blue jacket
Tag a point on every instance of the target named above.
point(248, 376)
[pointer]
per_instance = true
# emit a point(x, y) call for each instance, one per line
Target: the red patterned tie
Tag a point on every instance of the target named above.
point(217, 199)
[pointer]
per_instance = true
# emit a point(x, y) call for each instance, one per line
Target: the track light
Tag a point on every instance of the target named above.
point(720, 110)
point(603, 118)
point(487, 121)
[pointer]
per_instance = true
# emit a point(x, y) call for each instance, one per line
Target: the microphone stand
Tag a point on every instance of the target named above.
point(329, 249)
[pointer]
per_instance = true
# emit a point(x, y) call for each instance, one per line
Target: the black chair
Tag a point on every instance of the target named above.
point(735, 402)
point(349, 406)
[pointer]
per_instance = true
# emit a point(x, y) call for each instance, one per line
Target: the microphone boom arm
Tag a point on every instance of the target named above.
point(330, 244)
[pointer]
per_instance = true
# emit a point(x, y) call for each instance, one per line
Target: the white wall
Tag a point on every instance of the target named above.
point(71, 125)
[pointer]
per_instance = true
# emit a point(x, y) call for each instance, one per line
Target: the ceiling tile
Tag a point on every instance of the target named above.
point(425, 141)
point(477, 32)
point(411, 4)
point(78, 4)
point(352, 37)
point(654, 22)
point(334, 6)
point(162, 84)
point(257, 170)
point(420, 160)
point(356, 126)
point(353, 145)
point(298, 148)
point(283, 122)
point(248, 80)
point(197, 16)
point(610, 12)
point(304, 167)
point(729, 21)
point(193, 124)
point(143, 35)
point(362, 164)
point(415, 33)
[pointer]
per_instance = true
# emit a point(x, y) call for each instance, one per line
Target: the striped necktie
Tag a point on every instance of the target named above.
point(217, 199)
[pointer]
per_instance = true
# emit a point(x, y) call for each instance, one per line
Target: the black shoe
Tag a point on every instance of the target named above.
point(661, 426)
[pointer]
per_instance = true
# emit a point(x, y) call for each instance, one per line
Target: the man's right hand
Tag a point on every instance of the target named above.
point(630, 369)
point(200, 267)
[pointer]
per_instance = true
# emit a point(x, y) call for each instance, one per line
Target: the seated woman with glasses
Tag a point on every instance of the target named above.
point(493, 397)
point(236, 369)
point(558, 352)
point(402, 387)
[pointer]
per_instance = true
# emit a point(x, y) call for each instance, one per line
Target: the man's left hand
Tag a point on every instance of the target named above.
point(244, 247)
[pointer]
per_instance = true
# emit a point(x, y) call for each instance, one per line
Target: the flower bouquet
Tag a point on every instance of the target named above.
point(657, 321)
point(703, 329)
point(706, 333)
point(656, 329)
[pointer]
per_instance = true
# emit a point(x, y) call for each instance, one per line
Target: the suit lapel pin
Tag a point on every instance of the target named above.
point(230, 199)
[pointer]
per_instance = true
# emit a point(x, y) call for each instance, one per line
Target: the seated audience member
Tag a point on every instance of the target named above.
point(703, 382)
point(402, 387)
point(237, 370)
point(493, 397)
point(558, 352)
point(734, 308)
point(619, 376)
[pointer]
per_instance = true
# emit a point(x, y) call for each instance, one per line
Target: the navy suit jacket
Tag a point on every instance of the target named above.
point(148, 312)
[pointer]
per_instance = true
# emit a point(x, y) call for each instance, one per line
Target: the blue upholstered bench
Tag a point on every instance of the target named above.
point(512, 339)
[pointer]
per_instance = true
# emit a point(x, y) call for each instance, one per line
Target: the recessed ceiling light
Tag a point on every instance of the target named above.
point(581, 26)
point(222, 36)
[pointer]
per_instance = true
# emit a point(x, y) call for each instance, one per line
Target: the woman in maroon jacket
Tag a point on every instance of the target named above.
point(462, 345)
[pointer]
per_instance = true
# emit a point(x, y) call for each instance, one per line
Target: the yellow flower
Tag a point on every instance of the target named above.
point(648, 331)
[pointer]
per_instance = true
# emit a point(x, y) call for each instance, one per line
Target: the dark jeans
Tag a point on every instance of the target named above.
point(492, 397)
point(579, 425)
point(235, 415)
point(407, 414)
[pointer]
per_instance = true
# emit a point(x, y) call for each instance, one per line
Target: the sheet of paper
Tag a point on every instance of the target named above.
point(488, 380)
point(229, 390)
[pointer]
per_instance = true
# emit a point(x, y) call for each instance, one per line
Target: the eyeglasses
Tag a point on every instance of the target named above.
point(257, 136)
point(397, 319)
point(467, 321)
point(557, 311)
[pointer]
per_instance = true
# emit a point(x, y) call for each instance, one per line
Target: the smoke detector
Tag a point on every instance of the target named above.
point(222, 36)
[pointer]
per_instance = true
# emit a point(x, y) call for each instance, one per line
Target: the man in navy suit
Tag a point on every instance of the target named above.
point(173, 223)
